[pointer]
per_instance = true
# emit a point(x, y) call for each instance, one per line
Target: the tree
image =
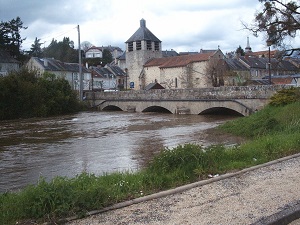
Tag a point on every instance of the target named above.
point(10, 38)
point(63, 51)
point(23, 95)
point(106, 57)
point(240, 51)
point(36, 49)
point(215, 71)
point(85, 45)
point(278, 20)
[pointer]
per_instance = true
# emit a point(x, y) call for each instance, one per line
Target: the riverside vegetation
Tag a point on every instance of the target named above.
point(272, 133)
point(24, 95)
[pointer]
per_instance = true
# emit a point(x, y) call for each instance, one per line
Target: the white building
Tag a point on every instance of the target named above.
point(68, 71)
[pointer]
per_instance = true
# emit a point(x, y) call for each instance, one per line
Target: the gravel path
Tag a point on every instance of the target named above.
point(247, 197)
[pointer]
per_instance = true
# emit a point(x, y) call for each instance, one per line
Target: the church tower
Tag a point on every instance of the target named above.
point(140, 47)
point(248, 48)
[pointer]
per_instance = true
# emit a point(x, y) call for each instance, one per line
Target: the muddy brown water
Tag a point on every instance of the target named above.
point(95, 142)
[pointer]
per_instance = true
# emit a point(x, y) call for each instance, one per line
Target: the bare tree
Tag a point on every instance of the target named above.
point(215, 71)
point(85, 45)
point(278, 20)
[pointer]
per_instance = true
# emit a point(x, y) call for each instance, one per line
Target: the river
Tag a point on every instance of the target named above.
point(94, 142)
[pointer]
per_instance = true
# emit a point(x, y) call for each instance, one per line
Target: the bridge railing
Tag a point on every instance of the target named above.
point(228, 92)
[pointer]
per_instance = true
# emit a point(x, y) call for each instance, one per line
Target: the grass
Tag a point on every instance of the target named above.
point(274, 132)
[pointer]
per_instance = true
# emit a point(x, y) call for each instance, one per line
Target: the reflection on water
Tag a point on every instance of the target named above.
point(94, 142)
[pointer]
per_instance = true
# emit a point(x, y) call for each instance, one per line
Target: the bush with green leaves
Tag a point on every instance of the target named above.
point(285, 96)
point(23, 95)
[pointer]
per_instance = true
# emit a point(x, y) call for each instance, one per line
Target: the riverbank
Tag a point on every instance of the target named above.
point(257, 195)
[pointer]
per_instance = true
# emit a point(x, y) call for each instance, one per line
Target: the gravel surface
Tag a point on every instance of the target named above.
point(244, 198)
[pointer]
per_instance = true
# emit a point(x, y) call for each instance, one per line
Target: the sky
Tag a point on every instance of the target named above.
point(182, 25)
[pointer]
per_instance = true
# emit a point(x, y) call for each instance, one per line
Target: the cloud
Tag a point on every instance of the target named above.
point(183, 25)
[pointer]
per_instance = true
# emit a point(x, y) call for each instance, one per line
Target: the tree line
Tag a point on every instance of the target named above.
point(65, 51)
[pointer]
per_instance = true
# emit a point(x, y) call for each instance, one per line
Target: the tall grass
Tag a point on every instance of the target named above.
point(274, 132)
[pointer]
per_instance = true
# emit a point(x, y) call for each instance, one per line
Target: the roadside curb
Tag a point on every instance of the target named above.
point(285, 215)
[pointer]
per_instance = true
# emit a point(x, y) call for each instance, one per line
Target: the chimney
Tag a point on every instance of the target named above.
point(143, 23)
point(45, 62)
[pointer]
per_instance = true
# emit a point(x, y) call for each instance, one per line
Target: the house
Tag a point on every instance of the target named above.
point(236, 72)
point(97, 52)
point(68, 71)
point(259, 67)
point(120, 61)
point(107, 78)
point(7, 63)
point(183, 71)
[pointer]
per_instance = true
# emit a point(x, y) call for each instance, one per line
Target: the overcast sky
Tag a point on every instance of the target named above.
point(182, 25)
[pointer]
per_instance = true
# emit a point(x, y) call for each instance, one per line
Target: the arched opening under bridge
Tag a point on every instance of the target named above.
point(220, 111)
point(157, 109)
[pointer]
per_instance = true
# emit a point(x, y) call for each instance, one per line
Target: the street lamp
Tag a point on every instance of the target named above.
point(269, 43)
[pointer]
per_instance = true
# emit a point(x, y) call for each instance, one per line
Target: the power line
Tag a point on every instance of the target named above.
point(48, 38)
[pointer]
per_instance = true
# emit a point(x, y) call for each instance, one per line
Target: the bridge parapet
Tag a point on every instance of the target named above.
point(218, 93)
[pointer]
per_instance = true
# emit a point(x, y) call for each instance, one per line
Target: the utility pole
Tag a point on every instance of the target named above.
point(80, 67)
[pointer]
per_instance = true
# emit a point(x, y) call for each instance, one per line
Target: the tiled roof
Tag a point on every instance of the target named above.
point(235, 64)
point(56, 65)
point(154, 86)
point(169, 53)
point(116, 70)
point(100, 72)
point(122, 57)
point(143, 33)
point(254, 62)
point(177, 61)
point(263, 53)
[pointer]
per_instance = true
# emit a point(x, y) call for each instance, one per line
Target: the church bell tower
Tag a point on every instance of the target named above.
point(140, 47)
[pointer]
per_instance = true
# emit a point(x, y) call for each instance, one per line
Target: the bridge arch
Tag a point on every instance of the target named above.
point(156, 109)
point(111, 108)
point(220, 110)
point(213, 106)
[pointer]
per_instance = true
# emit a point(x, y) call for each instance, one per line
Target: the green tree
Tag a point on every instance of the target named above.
point(106, 57)
point(63, 51)
point(23, 95)
point(10, 38)
point(240, 51)
point(36, 49)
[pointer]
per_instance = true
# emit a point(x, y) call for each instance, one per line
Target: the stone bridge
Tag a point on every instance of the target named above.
point(242, 100)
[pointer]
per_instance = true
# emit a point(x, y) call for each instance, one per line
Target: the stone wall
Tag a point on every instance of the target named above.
point(220, 93)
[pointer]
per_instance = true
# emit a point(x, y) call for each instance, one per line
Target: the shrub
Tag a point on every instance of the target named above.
point(285, 96)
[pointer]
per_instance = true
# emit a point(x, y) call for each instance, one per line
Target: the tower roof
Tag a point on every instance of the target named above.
point(248, 48)
point(143, 33)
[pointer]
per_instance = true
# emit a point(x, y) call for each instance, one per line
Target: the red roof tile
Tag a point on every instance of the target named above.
point(178, 61)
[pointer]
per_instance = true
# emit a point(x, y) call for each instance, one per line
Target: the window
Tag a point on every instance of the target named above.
point(138, 45)
point(149, 45)
point(130, 46)
point(176, 83)
point(89, 55)
point(156, 46)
